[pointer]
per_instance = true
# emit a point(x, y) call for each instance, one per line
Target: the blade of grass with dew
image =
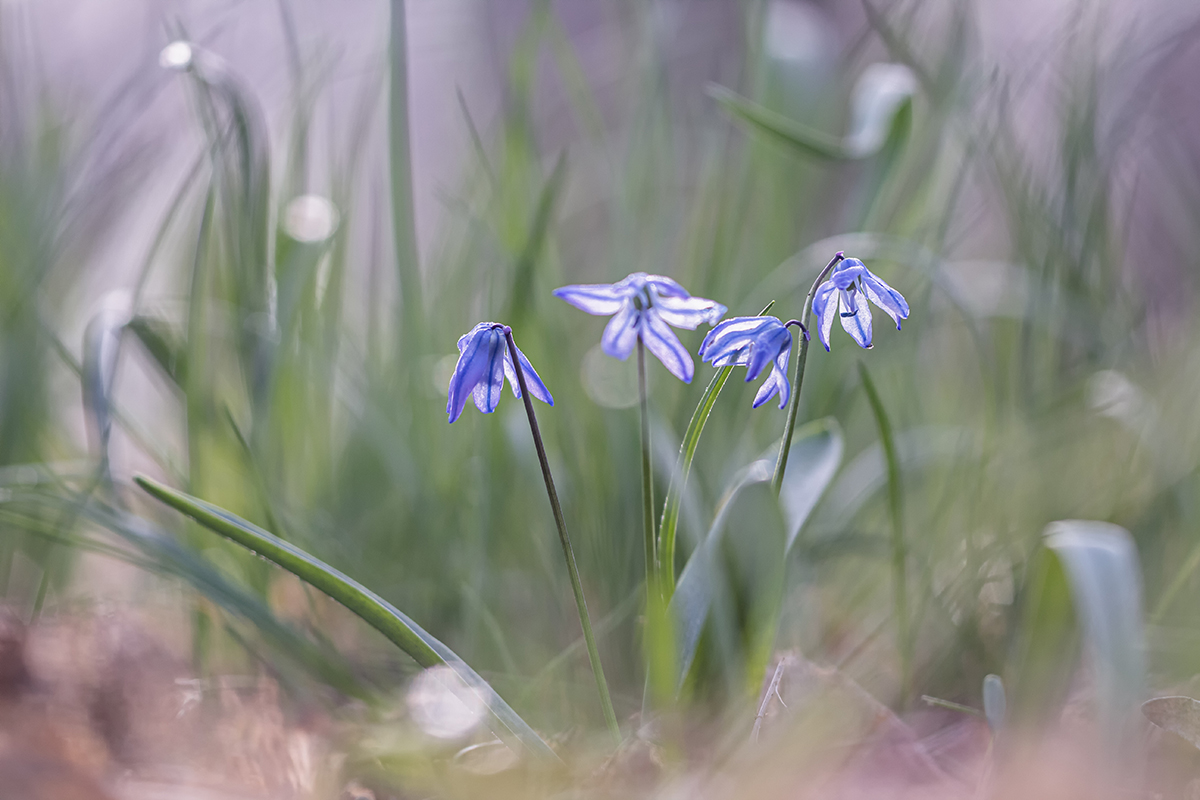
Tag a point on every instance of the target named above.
point(899, 547)
point(373, 609)
point(683, 468)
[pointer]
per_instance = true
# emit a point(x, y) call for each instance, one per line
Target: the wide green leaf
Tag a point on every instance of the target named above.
point(1085, 583)
point(379, 613)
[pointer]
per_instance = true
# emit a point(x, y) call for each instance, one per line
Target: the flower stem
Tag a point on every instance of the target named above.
point(785, 444)
point(648, 531)
point(568, 553)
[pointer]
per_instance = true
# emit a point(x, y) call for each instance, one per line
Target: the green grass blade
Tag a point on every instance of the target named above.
point(531, 252)
point(801, 138)
point(669, 523)
point(377, 612)
point(404, 228)
point(899, 546)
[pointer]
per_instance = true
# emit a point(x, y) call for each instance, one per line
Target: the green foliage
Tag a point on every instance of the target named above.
point(302, 380)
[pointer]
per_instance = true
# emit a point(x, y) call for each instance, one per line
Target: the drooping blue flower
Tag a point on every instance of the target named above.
point(845, 294)
point(483, 364)
point(643, 306)
point(753, 342)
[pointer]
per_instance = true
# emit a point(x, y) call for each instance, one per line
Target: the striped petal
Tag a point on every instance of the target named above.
point(689, 312)
point(620, 335)
point(884, 296)
point(825, 306)
point(600, 299)
point(491, 383)
point(665, 345)
point(532, 380)
point(856, 318)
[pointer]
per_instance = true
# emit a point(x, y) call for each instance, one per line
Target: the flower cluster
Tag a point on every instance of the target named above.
point(645, 307)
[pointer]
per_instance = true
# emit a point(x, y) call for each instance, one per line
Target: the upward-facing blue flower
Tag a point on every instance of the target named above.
point(643, 306)
point(753, 342)
point(483, 364)
point(843, 294)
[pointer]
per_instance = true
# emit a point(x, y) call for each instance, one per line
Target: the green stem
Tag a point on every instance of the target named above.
point(785, 444)
point(568, 553)
point(400, 163)
point(648, 531)
point(899, 544)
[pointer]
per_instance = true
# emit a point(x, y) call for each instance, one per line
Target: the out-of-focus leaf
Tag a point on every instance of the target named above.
point(700, 580)
point(881, 114)
point(669, 523)
point(539, 227)
point(995, 706)
point(1087, 577)
point(379, 613)
point(101, 344)
point(163, 346)
point(881, 109)
point(899, 543)
point(800, 137)
point(1179, 715)
point(1101, 564)
point(815, 457)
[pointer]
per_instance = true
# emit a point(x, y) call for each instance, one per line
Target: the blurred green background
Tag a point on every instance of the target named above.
point(1030, 182)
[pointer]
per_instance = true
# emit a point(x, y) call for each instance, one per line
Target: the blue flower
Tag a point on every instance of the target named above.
point(643, 307)
point(753, 342)
point(851, 281)
point(483, 364)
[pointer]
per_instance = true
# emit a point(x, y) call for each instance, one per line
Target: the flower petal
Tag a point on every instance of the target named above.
point(777, 381)
point(471, 366)
point(825, 306)
point(766, 348)
point(666, 287)
point(532, 380)
point(487, 390)
point(665, 345)
point(731, 337)
point(847, 272)
point(601, 299)
point(884, 296)
point(856, 318)
point(689, 312)
point(620, 335)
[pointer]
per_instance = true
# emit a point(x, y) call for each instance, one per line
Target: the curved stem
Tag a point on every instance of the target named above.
point(568, 553)
point(785, 444)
